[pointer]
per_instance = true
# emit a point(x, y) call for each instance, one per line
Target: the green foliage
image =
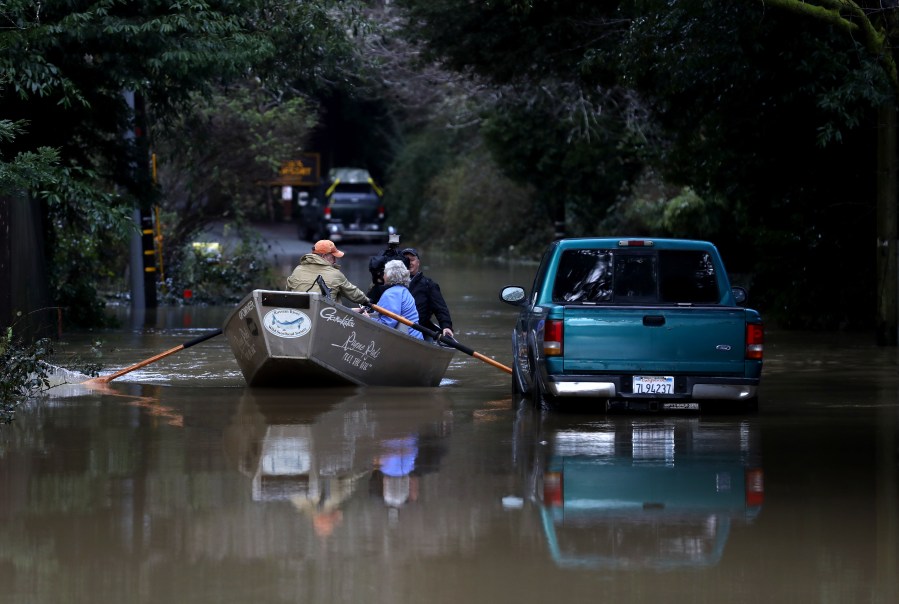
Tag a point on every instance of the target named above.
point(572, 155)
point(655, 209)
point(510, 41)
point(759, 122)
point(214, 157)
point(689, 215)
point(27, 169)
point(91, 230)
point(487, 213)
point(558, 123)
point(421, 159)
point(23, 369)
point(66, 122)
point(218, 275)
point(738, 91)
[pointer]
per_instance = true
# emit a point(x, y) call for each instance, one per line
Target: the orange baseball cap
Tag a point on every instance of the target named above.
point(326, 246)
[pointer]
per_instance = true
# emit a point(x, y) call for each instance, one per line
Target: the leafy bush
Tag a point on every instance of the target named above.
point(217, 274)
point(24, 371)
point(484, 212)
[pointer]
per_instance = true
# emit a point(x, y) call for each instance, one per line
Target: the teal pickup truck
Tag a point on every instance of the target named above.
point(636, 324)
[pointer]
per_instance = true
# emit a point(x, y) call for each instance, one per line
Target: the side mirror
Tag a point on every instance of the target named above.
point(514, 295)
point(740, 295)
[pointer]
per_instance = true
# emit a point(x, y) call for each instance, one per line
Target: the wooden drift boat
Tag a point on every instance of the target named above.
point(300, 340)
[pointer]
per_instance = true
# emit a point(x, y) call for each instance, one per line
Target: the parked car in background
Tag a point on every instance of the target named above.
point(635, 324)
point(348, 207)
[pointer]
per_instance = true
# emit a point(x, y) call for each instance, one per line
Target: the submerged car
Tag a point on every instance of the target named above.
point(635, 324)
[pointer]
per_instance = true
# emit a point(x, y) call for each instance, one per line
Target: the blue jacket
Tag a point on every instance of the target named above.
point(399, 301)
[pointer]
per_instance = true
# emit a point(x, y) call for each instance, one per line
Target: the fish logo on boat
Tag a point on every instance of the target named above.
point(287, 322)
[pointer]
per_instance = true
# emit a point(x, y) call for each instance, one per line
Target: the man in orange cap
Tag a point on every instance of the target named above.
point(321, 262)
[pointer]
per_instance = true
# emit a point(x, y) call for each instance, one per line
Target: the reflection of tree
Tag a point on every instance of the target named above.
point(76, 516)
point(584, 275)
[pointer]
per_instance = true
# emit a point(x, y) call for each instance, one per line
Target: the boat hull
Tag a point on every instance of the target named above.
point(295, 339)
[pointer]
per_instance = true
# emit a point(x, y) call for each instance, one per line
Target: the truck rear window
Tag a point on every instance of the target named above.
point(353, 187)
point(636, 277)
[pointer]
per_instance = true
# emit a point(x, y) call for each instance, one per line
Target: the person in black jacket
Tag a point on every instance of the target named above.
point(376, 267)
point(428, 298)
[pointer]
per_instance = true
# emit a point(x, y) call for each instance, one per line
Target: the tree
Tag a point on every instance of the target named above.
point(68, 64)
point(775, 114)
point(557, 121)
point(876, 26)
point(767, 111)
point(214, 157)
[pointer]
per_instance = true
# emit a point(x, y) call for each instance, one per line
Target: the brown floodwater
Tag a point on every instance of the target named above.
point(177, 483)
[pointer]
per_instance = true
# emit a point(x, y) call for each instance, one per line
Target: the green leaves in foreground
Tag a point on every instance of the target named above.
point(24, 371)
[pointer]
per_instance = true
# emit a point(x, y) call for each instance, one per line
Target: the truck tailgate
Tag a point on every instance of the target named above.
point(659, 340)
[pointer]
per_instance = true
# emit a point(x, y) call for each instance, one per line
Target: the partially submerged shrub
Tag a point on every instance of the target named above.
point(218, 274)
point(24, 370)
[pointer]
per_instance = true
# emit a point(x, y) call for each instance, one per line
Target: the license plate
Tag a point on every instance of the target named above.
point(653, 384)
point(681, 406)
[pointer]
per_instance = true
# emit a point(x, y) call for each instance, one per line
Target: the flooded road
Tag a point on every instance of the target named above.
point(178, 484)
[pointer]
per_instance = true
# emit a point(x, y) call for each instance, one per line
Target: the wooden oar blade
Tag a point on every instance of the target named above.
point(105, 379)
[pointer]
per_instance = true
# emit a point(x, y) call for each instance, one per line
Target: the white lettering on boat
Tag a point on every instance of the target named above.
point(243, 312)
point(245, 343)
point(359, 354)
point(330, 314)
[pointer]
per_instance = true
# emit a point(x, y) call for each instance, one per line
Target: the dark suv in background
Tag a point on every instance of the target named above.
point(347, 207)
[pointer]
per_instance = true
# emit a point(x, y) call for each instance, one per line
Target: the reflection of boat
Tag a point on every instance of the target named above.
point(306, 340)
point(317, 452)
point(656, 494)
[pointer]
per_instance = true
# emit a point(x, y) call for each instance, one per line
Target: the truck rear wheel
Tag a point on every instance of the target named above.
point(543, 399)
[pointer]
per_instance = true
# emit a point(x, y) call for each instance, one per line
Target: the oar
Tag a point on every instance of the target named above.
point(442, 338)
point(108, 378)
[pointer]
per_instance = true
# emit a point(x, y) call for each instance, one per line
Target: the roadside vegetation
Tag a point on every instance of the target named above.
point(208, 273)
point(761, 125)
point(23, 369)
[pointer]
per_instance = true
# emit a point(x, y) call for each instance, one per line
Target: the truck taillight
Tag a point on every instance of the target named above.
point(552, 489)
point(755, 487)
point(552, 338)
point(327, 212)
point(755, 339)
point(380, 212)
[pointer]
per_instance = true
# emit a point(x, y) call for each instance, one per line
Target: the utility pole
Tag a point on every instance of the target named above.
point(143, 250)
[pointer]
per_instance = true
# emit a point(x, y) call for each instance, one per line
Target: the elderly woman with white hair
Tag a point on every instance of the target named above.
point(397, 299)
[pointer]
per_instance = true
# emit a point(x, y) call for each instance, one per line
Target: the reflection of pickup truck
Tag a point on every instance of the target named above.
point(642, 493)
point(348, 207)
point(635, 324)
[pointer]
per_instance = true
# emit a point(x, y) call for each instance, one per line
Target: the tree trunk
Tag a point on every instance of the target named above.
point(24, 291)
point(5, 263)
point(887, 200)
